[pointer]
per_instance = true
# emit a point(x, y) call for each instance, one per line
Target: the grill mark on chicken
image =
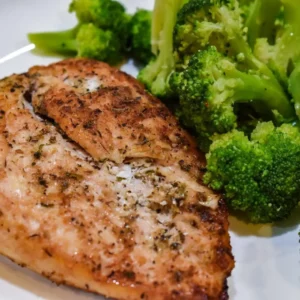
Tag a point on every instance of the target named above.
point(130, 225)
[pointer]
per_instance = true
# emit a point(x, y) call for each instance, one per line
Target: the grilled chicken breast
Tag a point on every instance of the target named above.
point(102, 190)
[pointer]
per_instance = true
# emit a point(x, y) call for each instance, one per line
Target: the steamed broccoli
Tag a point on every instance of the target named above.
point(208, 22)
point(212, 22)
point(282, 55)
point(62, 42)
point(245, 6)
point(102, 32)
point(261, 24)
point(84, 41)
point(294, 87)
point(259, 176)
point(216, 23)
point(156, 74)
point(106, 14)
point(140, 36)
point(211, 85)
point(99, 44)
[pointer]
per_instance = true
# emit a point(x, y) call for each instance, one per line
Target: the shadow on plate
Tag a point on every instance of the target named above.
point(239, 226)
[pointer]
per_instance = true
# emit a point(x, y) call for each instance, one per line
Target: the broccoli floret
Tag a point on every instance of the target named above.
point(156, 74)
point(140, 35)
point(210, 22)
point(102, 32)
point(106, 14)
point(211, 85)
point(86, 40)
point(261, 21)
point(259, 176)
point(98, 44)
point(217, 23)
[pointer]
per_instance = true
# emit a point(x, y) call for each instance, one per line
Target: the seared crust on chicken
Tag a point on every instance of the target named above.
point(95, 104)
point(105, 188)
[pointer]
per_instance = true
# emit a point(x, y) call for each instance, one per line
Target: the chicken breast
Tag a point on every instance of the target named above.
point(99, 182)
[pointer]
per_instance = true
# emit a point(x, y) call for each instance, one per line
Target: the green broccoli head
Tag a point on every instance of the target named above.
point(210, 22)
point(107, 14)
point(102, 32)
point(140, 33)
point(259, 176)
point(218, 23)
point(205, 100)
point(210, 87)
point(93, 42)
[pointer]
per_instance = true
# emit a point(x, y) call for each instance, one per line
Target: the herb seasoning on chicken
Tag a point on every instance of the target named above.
point(103, 186)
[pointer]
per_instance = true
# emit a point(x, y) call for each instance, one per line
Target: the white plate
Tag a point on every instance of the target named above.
point(267, 259)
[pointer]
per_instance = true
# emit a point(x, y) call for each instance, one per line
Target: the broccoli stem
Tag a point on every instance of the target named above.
point(157, 71)
point(261, 20)
point(157, 25)
point(252, 63)
point(61, 42)
point(263, 93)
point(294, 87)
point(155, 75)
point(159, 22)
point(287, 49)
point(165, 58)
